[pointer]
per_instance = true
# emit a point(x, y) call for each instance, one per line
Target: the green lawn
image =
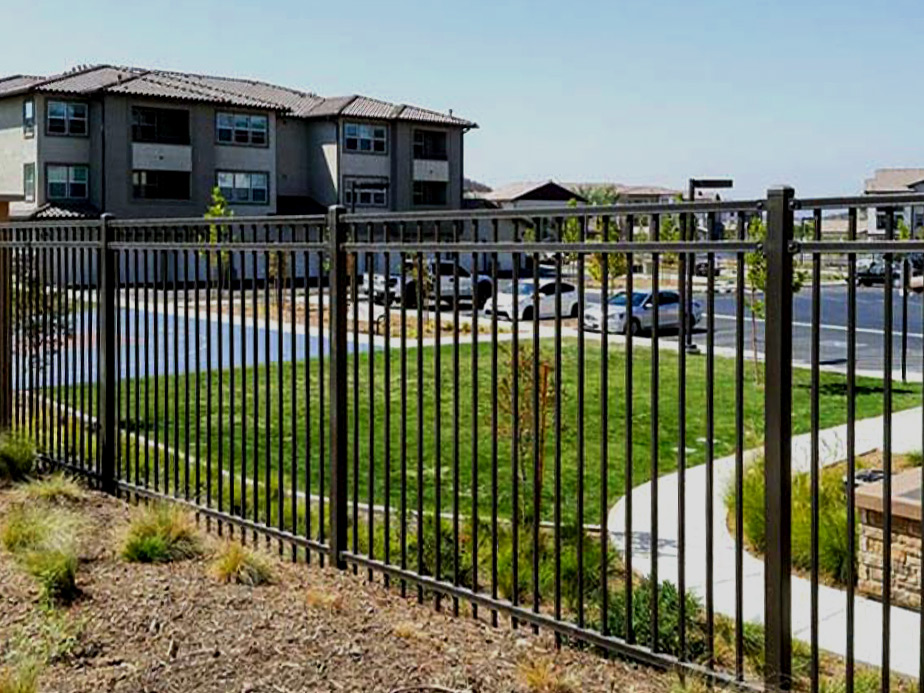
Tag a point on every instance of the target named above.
point(441, 462)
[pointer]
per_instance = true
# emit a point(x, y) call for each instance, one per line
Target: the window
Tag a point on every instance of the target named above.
point(366, 139)
point(242, 129)
point(430, 144)
point(160, 125)
point(28, 182)
point(160, 185)
point(28, 117)
point(67, 118)
point(241, 187)
point(68, 182)
point(367, 194)
point(668, 298)
point(429, 193)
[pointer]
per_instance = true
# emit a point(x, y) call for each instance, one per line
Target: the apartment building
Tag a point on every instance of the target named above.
point(151, 143)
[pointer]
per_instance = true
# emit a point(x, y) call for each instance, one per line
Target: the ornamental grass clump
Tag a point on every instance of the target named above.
point(160, 533)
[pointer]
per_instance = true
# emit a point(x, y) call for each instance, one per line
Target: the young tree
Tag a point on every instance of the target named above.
point(41, 326)
point(218, 233)
point(526, 434)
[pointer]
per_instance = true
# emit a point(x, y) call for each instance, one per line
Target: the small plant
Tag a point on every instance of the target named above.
point(21, 678)
point(55, 570)
point(541, 676)
point(160, 534)
point(44, 543)
point(408, 630)
point(23, 528)
point(17, 457)
point(57, 488)
point(324, 600)
point(236, 564)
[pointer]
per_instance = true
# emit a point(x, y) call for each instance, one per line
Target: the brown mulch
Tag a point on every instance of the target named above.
point(175, 628)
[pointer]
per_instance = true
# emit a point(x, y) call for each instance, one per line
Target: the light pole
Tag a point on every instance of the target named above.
point(694, 185)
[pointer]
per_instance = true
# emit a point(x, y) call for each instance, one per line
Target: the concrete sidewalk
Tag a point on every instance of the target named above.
point(832, 627)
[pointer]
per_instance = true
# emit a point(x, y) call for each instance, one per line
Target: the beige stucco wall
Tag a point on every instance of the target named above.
point(15, 150)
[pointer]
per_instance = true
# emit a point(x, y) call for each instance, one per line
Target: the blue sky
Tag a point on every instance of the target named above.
point(813, 93)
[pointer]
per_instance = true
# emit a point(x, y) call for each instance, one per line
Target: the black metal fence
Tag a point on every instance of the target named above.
point(491, 409)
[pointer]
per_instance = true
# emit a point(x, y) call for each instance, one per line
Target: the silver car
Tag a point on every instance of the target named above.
point(641, 317)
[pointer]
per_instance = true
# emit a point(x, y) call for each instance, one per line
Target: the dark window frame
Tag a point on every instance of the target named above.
point(234, 130)
point(423, 150)
point(372, 187)
point(69, 182)
point(28, 121)
point(28, 189)
point(165, 198)
point(421, 199)
point(160, 132)
point(68, 118)
point(232, 199)
point(359, 138)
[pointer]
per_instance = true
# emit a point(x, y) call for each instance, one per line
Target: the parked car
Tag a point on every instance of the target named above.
point(526, 291)
point(641, 315)
point(702, 268)
point(873, 272)
point(389, 287)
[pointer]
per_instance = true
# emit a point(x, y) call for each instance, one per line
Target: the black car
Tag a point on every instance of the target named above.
point(874, 272)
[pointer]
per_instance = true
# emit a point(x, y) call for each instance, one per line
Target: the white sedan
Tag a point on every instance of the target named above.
point(641, 315)
point(527, 290)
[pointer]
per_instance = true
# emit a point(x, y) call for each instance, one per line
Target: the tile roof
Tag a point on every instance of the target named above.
point(514, 191)
point(17, 83)
point(51, 210)
point(184, 86)
point(626, 190)
point(894, 180)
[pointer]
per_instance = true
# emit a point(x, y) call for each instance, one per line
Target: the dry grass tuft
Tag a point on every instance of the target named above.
point(57, 489)
point(22, 678)
point(238, 565)
point(324, 600)
point(44, 542)
point(160, 533)
point(409, 631)
point(540, 676)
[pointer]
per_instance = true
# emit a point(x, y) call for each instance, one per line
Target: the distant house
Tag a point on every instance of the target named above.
point(630, 194)
point(892, 181)
point(521, 196)
point(528, 194)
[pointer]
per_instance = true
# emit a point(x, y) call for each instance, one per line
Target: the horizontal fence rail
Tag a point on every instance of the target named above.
point(614, 423)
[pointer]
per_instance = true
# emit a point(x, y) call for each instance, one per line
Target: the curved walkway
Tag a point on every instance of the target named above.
point(905, 655)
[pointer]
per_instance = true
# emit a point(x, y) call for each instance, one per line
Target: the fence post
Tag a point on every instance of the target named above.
point(338, 387)
point(6, 330)
point(108, 378)
point(778, 438)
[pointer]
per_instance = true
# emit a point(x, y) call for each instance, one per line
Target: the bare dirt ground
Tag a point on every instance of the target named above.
point(144, 628)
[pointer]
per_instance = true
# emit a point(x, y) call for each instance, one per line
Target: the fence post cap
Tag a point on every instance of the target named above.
point(780, 190)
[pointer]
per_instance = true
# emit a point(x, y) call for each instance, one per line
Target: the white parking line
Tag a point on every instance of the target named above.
point(839, 328)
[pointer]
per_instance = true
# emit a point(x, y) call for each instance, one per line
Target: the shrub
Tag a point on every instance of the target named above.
point(160, 534)
point(17, 457)
point(235, 564)
point(22, 678)
point(833, 534)
point(465, 572)
point(668, 618)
